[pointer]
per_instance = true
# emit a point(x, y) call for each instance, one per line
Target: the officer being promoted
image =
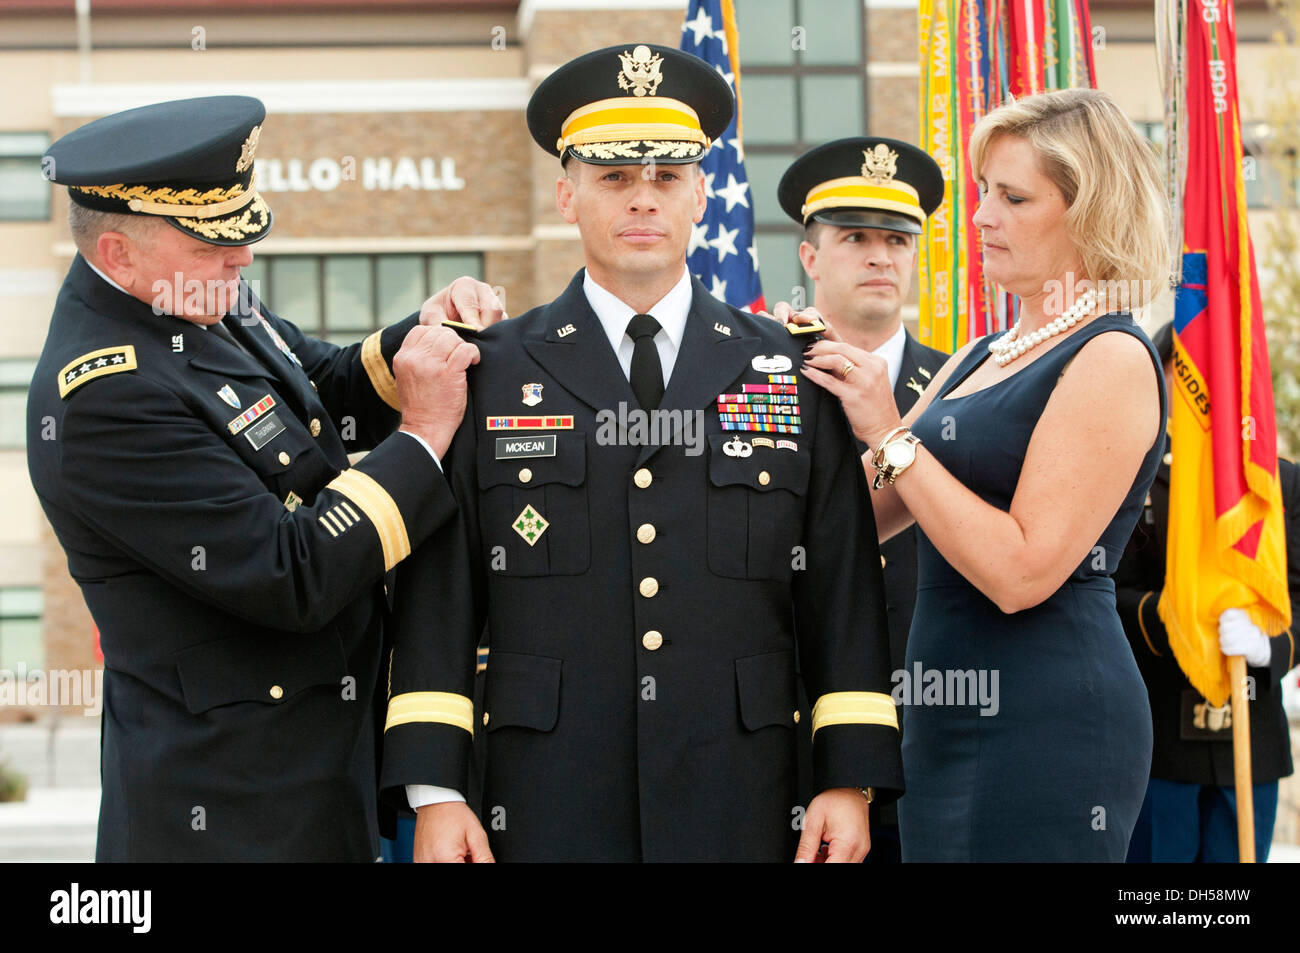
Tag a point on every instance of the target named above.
point(1189, 813)
point(190, 449)
point(653, 501)
point(862, 203)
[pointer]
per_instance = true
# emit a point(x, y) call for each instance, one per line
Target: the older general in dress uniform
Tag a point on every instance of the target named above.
point(862, 202)
point(653, 501)
point(1190, 810)
point(195, 471)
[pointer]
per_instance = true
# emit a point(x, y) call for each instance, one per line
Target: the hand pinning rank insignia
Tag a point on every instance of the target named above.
point(772, 407)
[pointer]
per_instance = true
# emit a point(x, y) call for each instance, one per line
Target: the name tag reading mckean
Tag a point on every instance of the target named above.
point(264, 431)
point(513, 448)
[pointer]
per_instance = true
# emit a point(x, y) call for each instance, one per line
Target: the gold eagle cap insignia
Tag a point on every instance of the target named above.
point(880, 164)
point(249, 147)
point(641, 73)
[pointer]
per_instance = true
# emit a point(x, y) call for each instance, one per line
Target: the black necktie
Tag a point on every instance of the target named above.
point(647, 377)
point(221, 330)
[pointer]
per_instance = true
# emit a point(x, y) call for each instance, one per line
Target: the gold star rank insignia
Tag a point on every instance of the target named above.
point(530, 525)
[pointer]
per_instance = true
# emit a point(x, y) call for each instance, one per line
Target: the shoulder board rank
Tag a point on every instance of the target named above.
point(107, 360)
point(460, 327)
point(797, 329)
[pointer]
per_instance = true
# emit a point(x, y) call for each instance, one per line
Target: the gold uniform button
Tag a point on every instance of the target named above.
point(645, 533)
point(486, 717)
point(277, 692)
point(882, 562)
point(283, 458)
point(313, 385)
point(525, 475)
point(796, 716)
point(649, 587)
point(764, 478)
point(652, 640)
point(314, 427)
point(1169, 459)
point(642, 478)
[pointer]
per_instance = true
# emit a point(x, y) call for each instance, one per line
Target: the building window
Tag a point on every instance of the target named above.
point(342, 298)
point(803, 82)
point(21, 642)
point(15, 377)
point(24, 191)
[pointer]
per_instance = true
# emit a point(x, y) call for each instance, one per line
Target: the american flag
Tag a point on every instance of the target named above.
point(723, 253)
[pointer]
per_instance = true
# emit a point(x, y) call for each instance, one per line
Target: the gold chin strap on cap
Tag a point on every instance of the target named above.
point(190, 203)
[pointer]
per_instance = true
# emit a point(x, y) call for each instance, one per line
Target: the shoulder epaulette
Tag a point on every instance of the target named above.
point(107, 360)
point(460, 327)
point(798, 329)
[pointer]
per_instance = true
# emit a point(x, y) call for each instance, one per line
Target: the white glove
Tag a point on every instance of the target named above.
point(1239, 636)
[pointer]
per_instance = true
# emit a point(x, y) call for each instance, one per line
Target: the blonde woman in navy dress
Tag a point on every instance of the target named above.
point(1036, 449)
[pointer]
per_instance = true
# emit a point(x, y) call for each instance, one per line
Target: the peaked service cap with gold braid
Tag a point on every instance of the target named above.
point(863, 182)
point(189, 161)
point(631, 103)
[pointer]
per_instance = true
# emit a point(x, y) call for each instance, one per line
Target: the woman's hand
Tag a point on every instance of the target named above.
point(860, 380)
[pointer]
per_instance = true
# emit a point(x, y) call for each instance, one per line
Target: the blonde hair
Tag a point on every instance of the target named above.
point(1117, 213)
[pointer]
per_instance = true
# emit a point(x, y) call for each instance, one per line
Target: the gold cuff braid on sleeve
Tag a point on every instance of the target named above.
point(381, 378)
point(373, 500)
point(439, 708)
point(854, 708)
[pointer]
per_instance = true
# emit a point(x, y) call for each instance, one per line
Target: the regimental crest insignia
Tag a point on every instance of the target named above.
point(532, 395)
point(530, 525)
point(641, 73)
point(249, 147)
point(227, 393)
point(914, 385)
point(880, 164)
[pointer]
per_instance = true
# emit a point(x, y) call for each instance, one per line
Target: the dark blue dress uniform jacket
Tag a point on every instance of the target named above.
point(1139, 581)
point(241, 629)
point(641, 689)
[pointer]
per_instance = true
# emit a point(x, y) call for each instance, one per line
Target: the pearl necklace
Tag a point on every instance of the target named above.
point(1010, 346)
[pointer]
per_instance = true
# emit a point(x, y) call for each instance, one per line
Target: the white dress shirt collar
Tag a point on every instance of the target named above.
point(892, 352)
point(670, 311)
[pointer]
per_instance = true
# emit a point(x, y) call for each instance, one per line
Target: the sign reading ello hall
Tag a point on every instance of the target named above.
point(376, 173)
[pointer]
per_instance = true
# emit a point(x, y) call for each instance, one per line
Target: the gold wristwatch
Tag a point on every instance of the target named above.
point(895, 454)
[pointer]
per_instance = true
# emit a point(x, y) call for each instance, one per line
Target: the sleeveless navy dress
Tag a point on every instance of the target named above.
point(1050, 762)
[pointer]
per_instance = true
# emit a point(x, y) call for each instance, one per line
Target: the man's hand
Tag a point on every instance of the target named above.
point(430, 374)
point(449, 833)
point(466, 300)
point(837, 817)
point(1239, 636)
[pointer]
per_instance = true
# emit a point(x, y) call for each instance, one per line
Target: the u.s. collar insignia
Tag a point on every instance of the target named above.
point(227, 393)
point(565, 331)
point(641, 73)
point(735, 447)
point(923, 372)
point(912, 383)
point(532, 395)
point(880, 164)
point(771, 365)
point(721, 328)
point(249, 147)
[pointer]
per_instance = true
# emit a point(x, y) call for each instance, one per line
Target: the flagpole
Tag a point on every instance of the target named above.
point(1241, 760)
